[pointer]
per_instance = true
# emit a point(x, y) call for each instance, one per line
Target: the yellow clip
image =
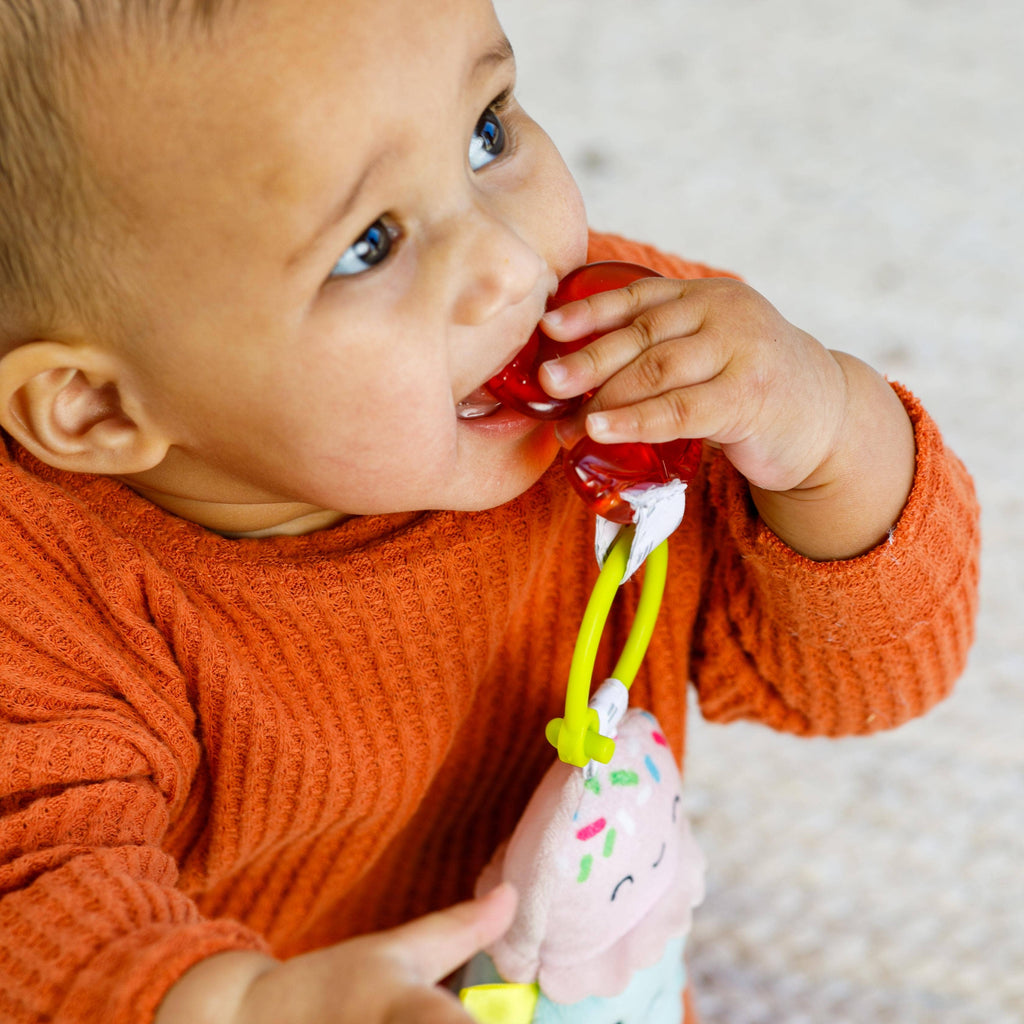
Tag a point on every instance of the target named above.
point(501, 1003)
point(576, 736)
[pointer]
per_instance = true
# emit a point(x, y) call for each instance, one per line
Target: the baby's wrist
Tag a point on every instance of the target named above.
point(851, 501)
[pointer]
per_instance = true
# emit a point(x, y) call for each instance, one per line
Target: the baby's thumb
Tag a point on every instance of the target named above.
point(435, 945)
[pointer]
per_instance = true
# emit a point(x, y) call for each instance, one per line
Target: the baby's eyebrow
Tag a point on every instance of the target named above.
point(500, 52)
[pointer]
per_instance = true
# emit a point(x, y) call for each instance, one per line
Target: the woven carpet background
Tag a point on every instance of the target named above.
point(863, 166)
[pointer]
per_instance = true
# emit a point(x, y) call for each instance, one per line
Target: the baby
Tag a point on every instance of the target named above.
point(271, 591)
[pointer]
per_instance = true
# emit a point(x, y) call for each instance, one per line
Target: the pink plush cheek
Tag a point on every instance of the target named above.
point(619, 862)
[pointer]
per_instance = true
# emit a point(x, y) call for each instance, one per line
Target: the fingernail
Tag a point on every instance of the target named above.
point(597, 425)
point(556, 372)
point(553, 317)
point(565, 435)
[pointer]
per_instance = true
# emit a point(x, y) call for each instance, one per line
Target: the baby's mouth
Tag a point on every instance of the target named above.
point(481, 402)
point(477, 404)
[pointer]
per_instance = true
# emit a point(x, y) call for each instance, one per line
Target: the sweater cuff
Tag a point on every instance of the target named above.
point(902, 611)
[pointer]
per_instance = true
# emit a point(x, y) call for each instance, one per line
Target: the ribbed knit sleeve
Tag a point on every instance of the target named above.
point(847, 646)
point(92, 926)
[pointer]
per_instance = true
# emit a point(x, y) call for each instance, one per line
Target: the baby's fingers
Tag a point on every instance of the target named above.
point(635, 320)
point(672, 368)
point(607, 310)
point(700, 410)
point(433, 946)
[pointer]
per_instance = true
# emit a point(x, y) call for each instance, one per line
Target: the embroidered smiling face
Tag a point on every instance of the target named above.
point(626, 838)
point(607, 871)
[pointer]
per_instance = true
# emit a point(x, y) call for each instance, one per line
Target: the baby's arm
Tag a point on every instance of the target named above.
point(386, 977)
point(837, 647)
point(836, 461)
point(821, 438)
point(93, 926)
point(821, 647)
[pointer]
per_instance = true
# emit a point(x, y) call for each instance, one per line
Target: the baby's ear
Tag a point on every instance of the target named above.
point(67, 405)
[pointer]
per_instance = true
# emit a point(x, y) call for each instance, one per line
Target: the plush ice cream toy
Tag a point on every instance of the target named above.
point(607, 873)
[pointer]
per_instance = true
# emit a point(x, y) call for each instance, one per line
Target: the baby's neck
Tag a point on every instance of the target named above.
point(266, 519)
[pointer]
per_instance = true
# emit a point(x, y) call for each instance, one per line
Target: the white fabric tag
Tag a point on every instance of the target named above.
point(610, 701)
point(657, 513)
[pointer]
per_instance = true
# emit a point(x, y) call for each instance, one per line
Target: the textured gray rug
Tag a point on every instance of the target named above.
point(862, 165)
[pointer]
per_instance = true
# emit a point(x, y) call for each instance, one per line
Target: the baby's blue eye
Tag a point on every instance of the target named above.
point(373, 246)
point(489, 140)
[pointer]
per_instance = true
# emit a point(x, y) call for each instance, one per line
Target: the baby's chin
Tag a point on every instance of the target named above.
point(490, 472)
point(516, 475)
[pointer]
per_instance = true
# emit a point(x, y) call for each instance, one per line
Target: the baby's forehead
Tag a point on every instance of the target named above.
point(211, 117)
point(248, 138)
point(270, 81)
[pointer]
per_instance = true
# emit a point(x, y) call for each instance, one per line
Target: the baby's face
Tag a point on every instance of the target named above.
point(346, 225)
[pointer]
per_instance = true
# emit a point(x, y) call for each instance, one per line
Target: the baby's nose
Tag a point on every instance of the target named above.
point(497, 268)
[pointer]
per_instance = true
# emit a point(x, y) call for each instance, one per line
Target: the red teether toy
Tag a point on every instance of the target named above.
point(601, 472)
point(598, 472)
point(517, 385)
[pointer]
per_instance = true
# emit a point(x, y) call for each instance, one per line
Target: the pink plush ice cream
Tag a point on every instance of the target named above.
point(607, 871)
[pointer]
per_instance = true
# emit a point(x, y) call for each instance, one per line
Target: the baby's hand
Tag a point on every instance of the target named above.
point(714, 359)
point(385, 978)
point(710, 359)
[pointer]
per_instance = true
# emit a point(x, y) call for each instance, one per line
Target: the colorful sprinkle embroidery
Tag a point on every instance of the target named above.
point(659, 739)
point(609, 842)
point(591, 830)
point(593, 785)
point(625, 778)
point(652, 768)
point(585, 868)
point(626, 821)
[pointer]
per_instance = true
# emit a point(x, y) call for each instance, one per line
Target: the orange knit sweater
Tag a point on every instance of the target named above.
point(211, 744)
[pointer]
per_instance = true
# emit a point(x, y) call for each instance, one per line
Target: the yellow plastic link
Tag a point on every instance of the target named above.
point(576, 736)
point(500, 1003)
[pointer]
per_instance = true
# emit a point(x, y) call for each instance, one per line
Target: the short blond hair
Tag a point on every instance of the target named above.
point(52, 273)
